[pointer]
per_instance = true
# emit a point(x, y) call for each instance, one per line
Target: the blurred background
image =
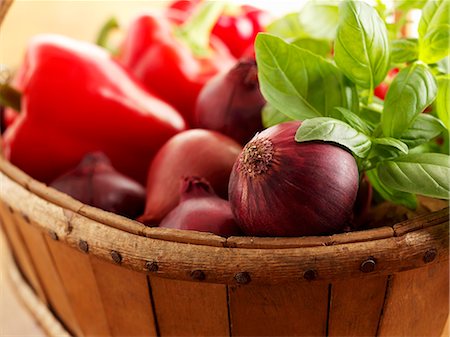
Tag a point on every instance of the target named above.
point(82, 19)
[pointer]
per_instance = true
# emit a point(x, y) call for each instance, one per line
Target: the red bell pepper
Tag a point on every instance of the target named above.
point(237, 27)
point(381, 90)
point(76, 99)
point(175, 62)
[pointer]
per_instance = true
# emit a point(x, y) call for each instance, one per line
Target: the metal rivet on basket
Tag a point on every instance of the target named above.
point(83, 245)
point(198, 275)
point(152, 266)
point(368, 265)
point(310, 275)
point(53, 235)
point(117, 258)
point(429, 255)
point(242, 277)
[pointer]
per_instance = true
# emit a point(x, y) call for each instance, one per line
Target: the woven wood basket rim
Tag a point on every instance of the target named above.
point(184, 255)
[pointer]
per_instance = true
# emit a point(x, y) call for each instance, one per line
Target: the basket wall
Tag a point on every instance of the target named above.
point(98, 291)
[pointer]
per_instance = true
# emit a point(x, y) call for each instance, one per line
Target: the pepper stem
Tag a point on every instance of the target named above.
point(10, 97)
point(196, 31)
point(103, 36)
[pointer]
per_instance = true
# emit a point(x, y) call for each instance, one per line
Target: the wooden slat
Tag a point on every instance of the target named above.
point(446, 331)
point(356, 306)
point(190, 308)
point(126, 299)
point(74, 268)
point(20, 250)
point(417, 302)
point(45, 267)
point(280, 310)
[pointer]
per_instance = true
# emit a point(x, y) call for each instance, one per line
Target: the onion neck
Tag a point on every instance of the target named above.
point(196, 187)
point(256, 157)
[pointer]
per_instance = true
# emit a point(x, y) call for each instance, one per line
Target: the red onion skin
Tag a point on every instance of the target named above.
point(200, 209)
point(231, 103)
point(293, 189)
point(95, 182)
point(194, 152)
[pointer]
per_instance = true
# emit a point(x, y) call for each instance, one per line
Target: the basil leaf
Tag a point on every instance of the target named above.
point(271, 116)
point(411, 91)
point(425, 174)
point(404, 50)
point(444, 65)
point(287, 27)
point(443, 100)
point(318, 47)
point(352, 119)
point(297, 82)
point(406, 199)
point(424, 128)
point(391, 142)
point(320, 20)
point(434, 31)
point(371, 114)
point(361, 49)
point(405, 5)
point(336, 131)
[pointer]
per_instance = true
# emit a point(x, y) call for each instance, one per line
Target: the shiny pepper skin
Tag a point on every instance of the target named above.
point(76, 99)
point(166, 66)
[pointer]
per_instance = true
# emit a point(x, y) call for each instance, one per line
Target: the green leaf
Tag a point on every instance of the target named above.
point(405, 5)
point(443, 100)
point(271, 116)
point(406, 199)
point(425, 174)
point(434, 31)
point(425, 128)
point(444, 65)
point(352, 119)
point(362, 48)
point(287, 27)
point(411, 91)
point(318, 47)
point(319, 19)
point(371, 114)
point(333, 130)
point(404, 50)
point(297, 82)
point(391, 142)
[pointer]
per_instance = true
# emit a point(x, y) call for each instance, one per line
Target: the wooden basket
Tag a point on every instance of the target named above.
point(104, 275)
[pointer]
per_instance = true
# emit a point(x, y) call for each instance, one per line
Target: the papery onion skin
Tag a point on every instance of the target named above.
point(279, 187)
point(200, 209)
point(96, 183)
point(231, 103)
point(195, 152)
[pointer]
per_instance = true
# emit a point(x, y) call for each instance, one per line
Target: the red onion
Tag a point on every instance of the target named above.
point(279, 187)
point(231, 103)
point(194, 152)
point(95, 182)
point(200, 209)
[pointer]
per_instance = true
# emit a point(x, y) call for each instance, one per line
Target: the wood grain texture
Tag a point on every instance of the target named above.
point(51, 282)
point(417, 302)
point(20, 250)
point(356, 306)
point(126, 299)
point(284, 310)
point(190, 308)
point(74, 268)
